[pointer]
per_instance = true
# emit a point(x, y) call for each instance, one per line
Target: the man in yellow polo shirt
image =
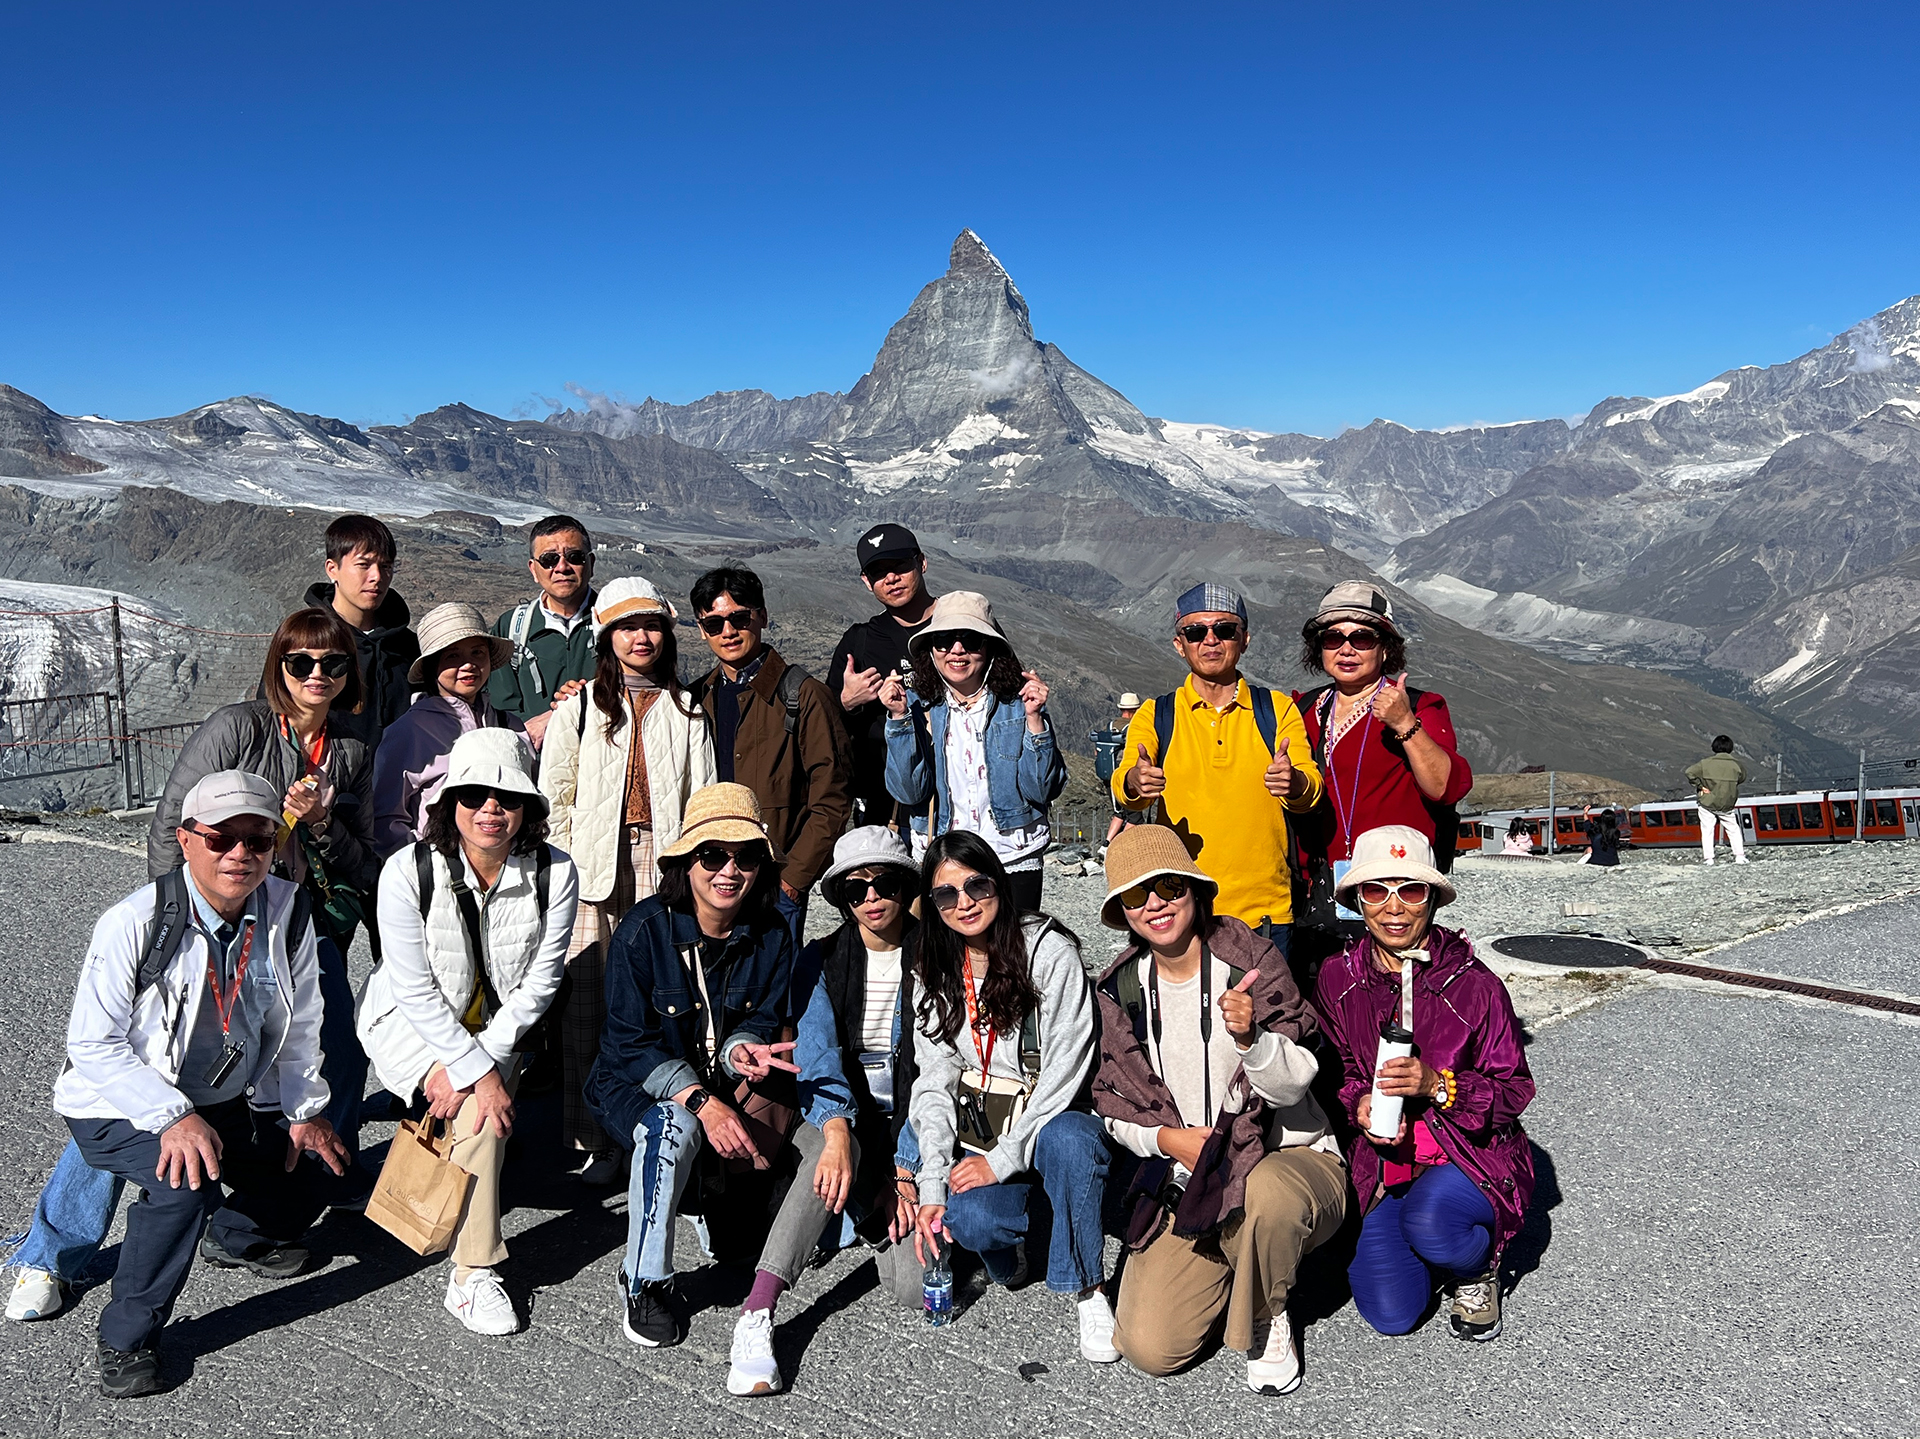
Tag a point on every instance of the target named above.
point(1217, 781)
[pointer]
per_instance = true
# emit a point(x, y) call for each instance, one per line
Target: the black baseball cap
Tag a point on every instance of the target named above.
point(887, 542)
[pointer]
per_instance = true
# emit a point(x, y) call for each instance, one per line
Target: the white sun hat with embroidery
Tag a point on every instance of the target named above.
point(1394, 851)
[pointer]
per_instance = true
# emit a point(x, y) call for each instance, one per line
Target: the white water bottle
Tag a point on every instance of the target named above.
point(1383, 1121)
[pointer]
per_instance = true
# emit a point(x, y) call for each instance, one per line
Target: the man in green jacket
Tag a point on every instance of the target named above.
point(1717, 779)
point(552, 633)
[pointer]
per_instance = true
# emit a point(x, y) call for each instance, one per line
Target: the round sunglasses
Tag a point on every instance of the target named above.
point(1169, 887)
point(979, 888)
point(1412, 892)
point(334, 666)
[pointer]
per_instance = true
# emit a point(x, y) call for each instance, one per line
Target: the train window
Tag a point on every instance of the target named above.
point(1467, 831)
point(1564, 824)
point(1673, 816)
point(1633, 820)
point(1789, 816)
point(1811, 818)
point(1888, 812)
point(1768, 817)
point(1843, 814)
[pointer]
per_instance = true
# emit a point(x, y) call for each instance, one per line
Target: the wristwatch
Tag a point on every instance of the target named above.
point(1441, 1097)
point(696, 1099)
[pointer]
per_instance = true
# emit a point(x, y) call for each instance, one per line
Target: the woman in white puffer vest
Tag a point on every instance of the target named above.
point(474, 919)
point(614, 806)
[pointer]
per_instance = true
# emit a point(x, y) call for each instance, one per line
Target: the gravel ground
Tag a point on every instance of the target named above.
point(1703, 1257)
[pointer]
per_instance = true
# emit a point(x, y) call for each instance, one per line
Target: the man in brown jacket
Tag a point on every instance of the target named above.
point(775, 730)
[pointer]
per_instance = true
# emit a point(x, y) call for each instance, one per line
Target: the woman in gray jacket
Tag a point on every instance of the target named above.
point(1004, 1044)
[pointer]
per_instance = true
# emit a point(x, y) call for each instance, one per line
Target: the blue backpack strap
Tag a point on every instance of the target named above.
point(1163, 726)
point(1264, 716)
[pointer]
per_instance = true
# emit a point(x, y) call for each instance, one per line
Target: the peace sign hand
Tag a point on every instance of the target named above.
point(1236, 1009)
point(757, 1061)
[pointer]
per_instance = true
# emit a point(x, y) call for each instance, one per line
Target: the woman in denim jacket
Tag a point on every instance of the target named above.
point(974, 749)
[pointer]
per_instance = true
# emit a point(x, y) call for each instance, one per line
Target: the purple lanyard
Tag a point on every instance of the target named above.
point(1333, 770)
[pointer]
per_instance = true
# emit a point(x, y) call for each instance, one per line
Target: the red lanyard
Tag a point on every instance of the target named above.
point(225, 1005)
point(974, 1023)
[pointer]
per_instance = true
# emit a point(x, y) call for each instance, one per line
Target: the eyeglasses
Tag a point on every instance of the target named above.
point(1411, 892)
point(1226, 631)
point(333, 666)
point(220, 843)
point(712, 858)
point(963, 641)
point(1361, 640)
point(979, 888)
point(886, 886)
point(576, 558)
point(475, 796)
point(741, 619)
point(1169, 887)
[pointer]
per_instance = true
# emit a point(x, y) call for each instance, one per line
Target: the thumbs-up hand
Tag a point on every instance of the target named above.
point(1391, 707)
point(1236, 1010)
point(1146, 780)
point(1280, 773)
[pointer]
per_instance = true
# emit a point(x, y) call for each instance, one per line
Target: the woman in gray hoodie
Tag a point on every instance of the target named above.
point(1004, 1044)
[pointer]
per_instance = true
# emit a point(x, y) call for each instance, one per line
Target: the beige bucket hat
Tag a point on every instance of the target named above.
point(1355, 600)
point(1144, 852)
point(447, 625)
point(727, 812)
point(1394, 851)
point(958, 610)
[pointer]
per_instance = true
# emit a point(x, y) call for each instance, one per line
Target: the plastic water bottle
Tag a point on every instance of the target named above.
point(936, 1284)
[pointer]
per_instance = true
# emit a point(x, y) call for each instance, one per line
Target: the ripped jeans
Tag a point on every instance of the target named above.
point(666, 1146)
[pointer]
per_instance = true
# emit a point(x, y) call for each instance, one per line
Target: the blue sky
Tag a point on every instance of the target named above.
point(1285, 216)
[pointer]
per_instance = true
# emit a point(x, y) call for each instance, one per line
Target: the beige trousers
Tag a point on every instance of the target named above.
point(477, 1243)
point(1175, 1293)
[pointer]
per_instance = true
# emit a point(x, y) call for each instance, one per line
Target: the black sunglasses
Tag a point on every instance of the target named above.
point(1224, 630)
point(740, 619)
point(1361, 640)
point(965, 641)
point(220, 843)
point(333, 666)
point(887, 886)
point(979, 888)
point(553, 557)
point(887, 569)
point(475, 796)
point(712, 858)
point(1168, 886)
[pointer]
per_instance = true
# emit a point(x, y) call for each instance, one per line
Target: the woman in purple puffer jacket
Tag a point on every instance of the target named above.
point(1447, 1190)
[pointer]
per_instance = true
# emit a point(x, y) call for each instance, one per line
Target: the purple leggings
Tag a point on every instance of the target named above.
point(1440, 1221)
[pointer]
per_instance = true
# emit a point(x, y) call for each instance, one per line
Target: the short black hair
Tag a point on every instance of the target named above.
point(359, 532)
point(736, 580)
point(557, 525)
point(1723, 744)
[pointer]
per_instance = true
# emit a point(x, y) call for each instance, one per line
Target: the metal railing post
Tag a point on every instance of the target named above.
point(1860, 801)
point(1552, 846)
point(124, 738)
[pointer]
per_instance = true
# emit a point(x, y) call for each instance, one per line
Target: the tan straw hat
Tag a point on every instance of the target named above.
point(1355, 600)
point(958, 610)
point(1143, 852)
point(725, 812)
point(446, 625)
point(1394, 851)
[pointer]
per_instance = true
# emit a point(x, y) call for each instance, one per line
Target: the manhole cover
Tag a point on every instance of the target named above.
point(1569, 951)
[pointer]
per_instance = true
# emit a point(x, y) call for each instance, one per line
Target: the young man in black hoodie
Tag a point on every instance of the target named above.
point(359, 588)
point(895, 572)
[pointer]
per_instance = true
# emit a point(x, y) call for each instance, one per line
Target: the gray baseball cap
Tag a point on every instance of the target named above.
point(229, 792)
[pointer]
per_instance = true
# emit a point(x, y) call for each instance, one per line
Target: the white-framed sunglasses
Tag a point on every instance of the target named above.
point(1412, 892)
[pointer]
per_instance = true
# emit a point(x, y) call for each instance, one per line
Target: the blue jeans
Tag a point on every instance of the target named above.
point(343, 1063)
point(71, 1220)
point(666, 1146)
point(1440, 1221)
point(1071, 1158)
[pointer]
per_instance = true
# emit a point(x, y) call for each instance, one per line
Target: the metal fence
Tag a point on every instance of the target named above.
point(114, 691)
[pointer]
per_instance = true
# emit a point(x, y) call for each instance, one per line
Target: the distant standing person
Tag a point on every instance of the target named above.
point(1603, 838)
point(776, 730)
point(895, 572)
point(550, 640)
point(1228, 765)
point(1108, 745)
point(1717, 780)
point(359, 588)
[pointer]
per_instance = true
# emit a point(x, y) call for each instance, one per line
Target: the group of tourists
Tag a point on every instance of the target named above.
point(565, 854)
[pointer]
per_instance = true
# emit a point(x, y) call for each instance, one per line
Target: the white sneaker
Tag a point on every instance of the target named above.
point(37, 1294)
point(1273, 1364)
point(600, 1170)
point(753, 1369)
point(481, 1303)
point(1096, 1329)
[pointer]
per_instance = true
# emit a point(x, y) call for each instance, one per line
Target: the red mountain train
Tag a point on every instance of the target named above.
point(1807, 817)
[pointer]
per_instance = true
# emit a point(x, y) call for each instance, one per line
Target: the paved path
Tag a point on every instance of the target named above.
point(1713, 1250)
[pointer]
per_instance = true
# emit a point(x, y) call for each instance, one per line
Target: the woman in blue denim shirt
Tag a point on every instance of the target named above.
point(973, 749)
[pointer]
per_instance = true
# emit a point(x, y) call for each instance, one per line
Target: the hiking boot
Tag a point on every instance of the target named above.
point(753, 1369)
point(271, 1261)
point(481, 1303)
point(1096, 1329)
point(37, 1294)
point(1273, 1364)
point(1476, 1308)
point(128, 1375)
point(603, 1169)
point(651, 1321)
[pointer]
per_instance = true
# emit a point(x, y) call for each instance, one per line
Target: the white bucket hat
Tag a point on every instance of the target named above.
point(1394, 851)
point(497, 758)
point(628, 595)
point(958, 610)
point(446, 625)
point(866, 847)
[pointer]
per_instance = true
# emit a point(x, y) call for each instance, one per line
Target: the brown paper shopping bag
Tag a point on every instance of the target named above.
point(421, 1193)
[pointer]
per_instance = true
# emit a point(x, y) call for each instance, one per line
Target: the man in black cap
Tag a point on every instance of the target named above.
point(892, 567)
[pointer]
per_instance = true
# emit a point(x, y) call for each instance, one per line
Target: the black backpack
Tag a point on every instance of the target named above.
point(173, 917)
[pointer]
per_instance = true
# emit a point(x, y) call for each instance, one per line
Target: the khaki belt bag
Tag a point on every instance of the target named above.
point(985, 1108)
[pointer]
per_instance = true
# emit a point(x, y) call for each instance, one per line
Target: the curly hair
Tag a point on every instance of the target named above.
point(1008, 994)
point(443, 830)
point(1392, 662)
point(1003, 674)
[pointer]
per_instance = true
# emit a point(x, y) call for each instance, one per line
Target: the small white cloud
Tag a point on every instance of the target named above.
point(1869, 348)
point(1008, 379)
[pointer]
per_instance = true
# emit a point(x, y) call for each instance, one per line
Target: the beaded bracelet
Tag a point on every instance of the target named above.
point(1453, 1089)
